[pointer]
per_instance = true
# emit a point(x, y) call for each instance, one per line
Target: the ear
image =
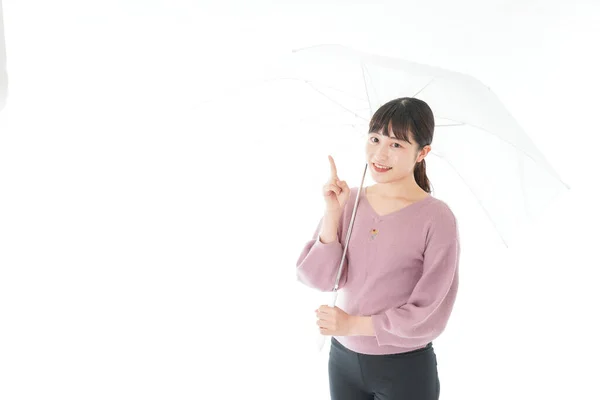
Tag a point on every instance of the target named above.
point(423, 153)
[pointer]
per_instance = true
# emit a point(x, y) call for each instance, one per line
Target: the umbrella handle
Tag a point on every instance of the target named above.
point(321, 339)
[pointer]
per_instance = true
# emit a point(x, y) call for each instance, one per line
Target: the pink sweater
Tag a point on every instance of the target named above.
point(401, 269)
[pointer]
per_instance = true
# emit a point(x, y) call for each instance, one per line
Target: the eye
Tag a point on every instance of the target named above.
point(374, 139)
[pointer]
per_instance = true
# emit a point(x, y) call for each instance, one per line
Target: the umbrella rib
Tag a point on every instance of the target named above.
point(314, 82)
point(460, 123)
point(362, 66)
point(432, 79)
point(505, 141)
point(336, 89)
point(335, 102)
point(449, 125)
point(476, 198)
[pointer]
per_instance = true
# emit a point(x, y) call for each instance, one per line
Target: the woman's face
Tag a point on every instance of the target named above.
point(401, 156)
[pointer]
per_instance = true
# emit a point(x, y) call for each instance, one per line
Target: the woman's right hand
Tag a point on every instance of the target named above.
point(335, 192)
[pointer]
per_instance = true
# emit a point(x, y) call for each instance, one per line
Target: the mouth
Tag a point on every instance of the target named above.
point(380, 168)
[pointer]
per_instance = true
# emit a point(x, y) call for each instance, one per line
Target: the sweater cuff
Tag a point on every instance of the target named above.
point(382, 335)
point(321, 244)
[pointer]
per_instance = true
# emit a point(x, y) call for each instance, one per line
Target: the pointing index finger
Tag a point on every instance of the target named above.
point(332, 168)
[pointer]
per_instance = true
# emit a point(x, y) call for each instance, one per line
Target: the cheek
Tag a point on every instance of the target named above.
point(402, 164)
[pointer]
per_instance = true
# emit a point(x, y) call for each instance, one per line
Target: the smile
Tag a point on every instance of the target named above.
point(380, 168)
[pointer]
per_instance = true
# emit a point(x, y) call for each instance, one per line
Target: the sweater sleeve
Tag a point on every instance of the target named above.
point(318, 263)
point(425, 315)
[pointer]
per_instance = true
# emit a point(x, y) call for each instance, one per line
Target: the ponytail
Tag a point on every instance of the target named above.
point(421, 176)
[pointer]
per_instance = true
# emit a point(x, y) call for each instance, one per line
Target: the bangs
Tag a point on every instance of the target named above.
point(392, 120)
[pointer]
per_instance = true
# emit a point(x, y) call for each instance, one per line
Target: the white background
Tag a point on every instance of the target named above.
point(148, 250)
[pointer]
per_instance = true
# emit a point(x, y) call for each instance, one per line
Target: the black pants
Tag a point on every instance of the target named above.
point(406, 376)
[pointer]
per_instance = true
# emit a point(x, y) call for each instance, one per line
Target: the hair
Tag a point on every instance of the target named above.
point(407, 117)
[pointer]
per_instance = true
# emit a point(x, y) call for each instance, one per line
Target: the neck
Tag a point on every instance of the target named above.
point(402, 188)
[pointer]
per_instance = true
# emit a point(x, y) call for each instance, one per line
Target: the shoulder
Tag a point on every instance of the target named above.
point(441, 224)
point(440, 210)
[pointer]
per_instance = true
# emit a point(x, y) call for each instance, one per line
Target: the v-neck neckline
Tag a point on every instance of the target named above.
point(392, 213)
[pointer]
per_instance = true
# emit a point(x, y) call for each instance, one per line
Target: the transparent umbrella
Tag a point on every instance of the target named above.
point(476, 140)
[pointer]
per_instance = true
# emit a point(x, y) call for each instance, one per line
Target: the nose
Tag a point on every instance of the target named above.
point(381, 154)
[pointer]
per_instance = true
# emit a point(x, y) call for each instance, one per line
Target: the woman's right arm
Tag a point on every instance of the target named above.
point(319, 261)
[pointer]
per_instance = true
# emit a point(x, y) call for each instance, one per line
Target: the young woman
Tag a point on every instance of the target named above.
point(400, 276)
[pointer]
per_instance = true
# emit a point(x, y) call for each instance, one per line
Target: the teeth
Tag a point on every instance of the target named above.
point(381, 166)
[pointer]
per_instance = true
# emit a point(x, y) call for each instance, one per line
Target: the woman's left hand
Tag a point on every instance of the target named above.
point(334, 321)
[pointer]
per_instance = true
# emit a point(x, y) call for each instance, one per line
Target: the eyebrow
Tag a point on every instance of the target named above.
point(393, 138)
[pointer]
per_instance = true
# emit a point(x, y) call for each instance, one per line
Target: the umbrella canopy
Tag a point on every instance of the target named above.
point(476, 138)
